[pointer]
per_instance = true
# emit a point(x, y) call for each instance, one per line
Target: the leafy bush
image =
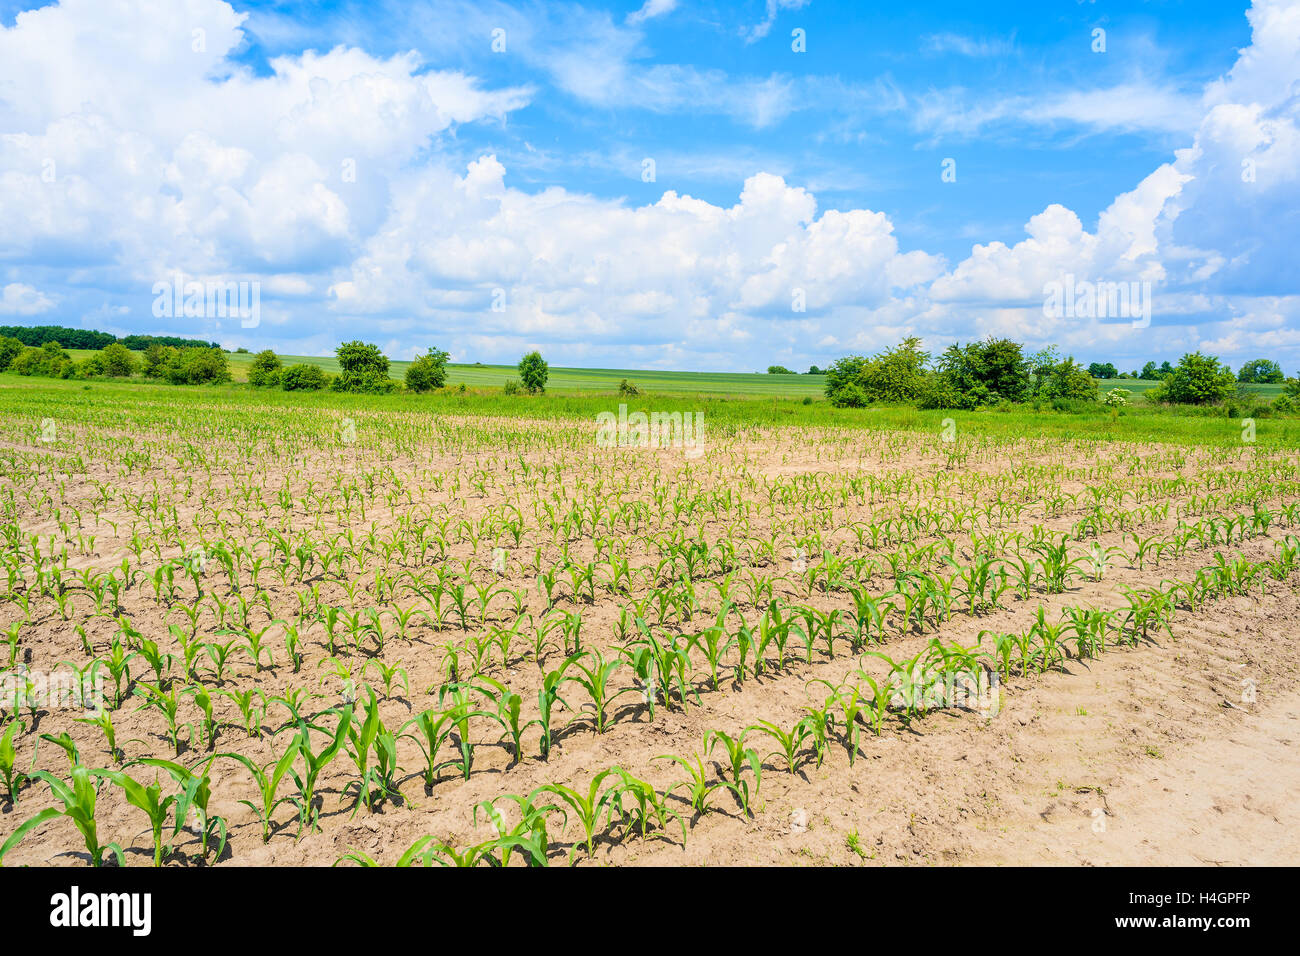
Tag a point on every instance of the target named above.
point(264, 372)
point(1068, 381)
point(1116, 398)
point(92, 366)
point(365, 369)
point(49, 360)
point(1198, 380)
point(196, 366)
point(778, 370)
point(627, 390)
point(9, 349)
point(984, 372)
point(428, 371)
point(118, 361)
point(896, 375)
point(1261, 372)
point(156, 357)
point(849, 395)
point(511, 387)
point(533, 372)
point(303, 378)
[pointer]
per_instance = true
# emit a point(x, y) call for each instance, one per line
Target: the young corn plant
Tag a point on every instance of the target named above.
point(594, 678)
point(313, 764)
point(13, 777)
point(267, 778)
point(697, 784)
point(738, 758)
point(790, 743)
point(149, 799)
point(195, 794)
point(588, 806)
point(648, 806)
point(78, 797)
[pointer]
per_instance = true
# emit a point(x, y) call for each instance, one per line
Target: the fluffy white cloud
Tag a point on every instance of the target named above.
point(19, 299)
point(565, 267)
point(147, 149)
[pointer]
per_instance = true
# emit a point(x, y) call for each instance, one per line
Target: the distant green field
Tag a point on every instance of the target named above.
point(1139, 386)
point(580, 379)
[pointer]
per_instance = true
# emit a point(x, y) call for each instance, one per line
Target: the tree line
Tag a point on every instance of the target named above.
point(998, 370)
point(35, 336)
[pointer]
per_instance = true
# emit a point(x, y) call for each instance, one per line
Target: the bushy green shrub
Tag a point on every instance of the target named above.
point(1069, 381)
point(118, 361)
point(985, 372)
point(196, 366)
point(1198, 380)
point(428, 371)
point(9, 350)
point(896, 375)
point(303, 378)
point(364, 369)
point(49, 360)
point(849, 395)
point(92, 366)
point(265, 369)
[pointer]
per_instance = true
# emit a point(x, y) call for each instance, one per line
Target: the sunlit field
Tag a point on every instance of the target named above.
point(251, 627)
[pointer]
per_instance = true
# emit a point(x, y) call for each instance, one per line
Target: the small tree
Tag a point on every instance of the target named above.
point(364, 369)
point(156, 358)
point(533, 372)
point(1070, 381)
point(778, 370)
point(264, 372)
point(1261, 372)
point(197, 366)
point(428, 371)
point(9, 349)
point(118, 360)
point(1198, 380)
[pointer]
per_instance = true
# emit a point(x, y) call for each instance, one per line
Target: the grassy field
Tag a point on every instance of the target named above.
point(1141, 386)
point(725, 415)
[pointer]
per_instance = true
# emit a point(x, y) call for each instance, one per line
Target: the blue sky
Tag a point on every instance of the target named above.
point(847, 132)
point(812, 176)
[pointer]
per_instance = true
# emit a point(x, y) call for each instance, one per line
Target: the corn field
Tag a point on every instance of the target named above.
point(237, 633)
